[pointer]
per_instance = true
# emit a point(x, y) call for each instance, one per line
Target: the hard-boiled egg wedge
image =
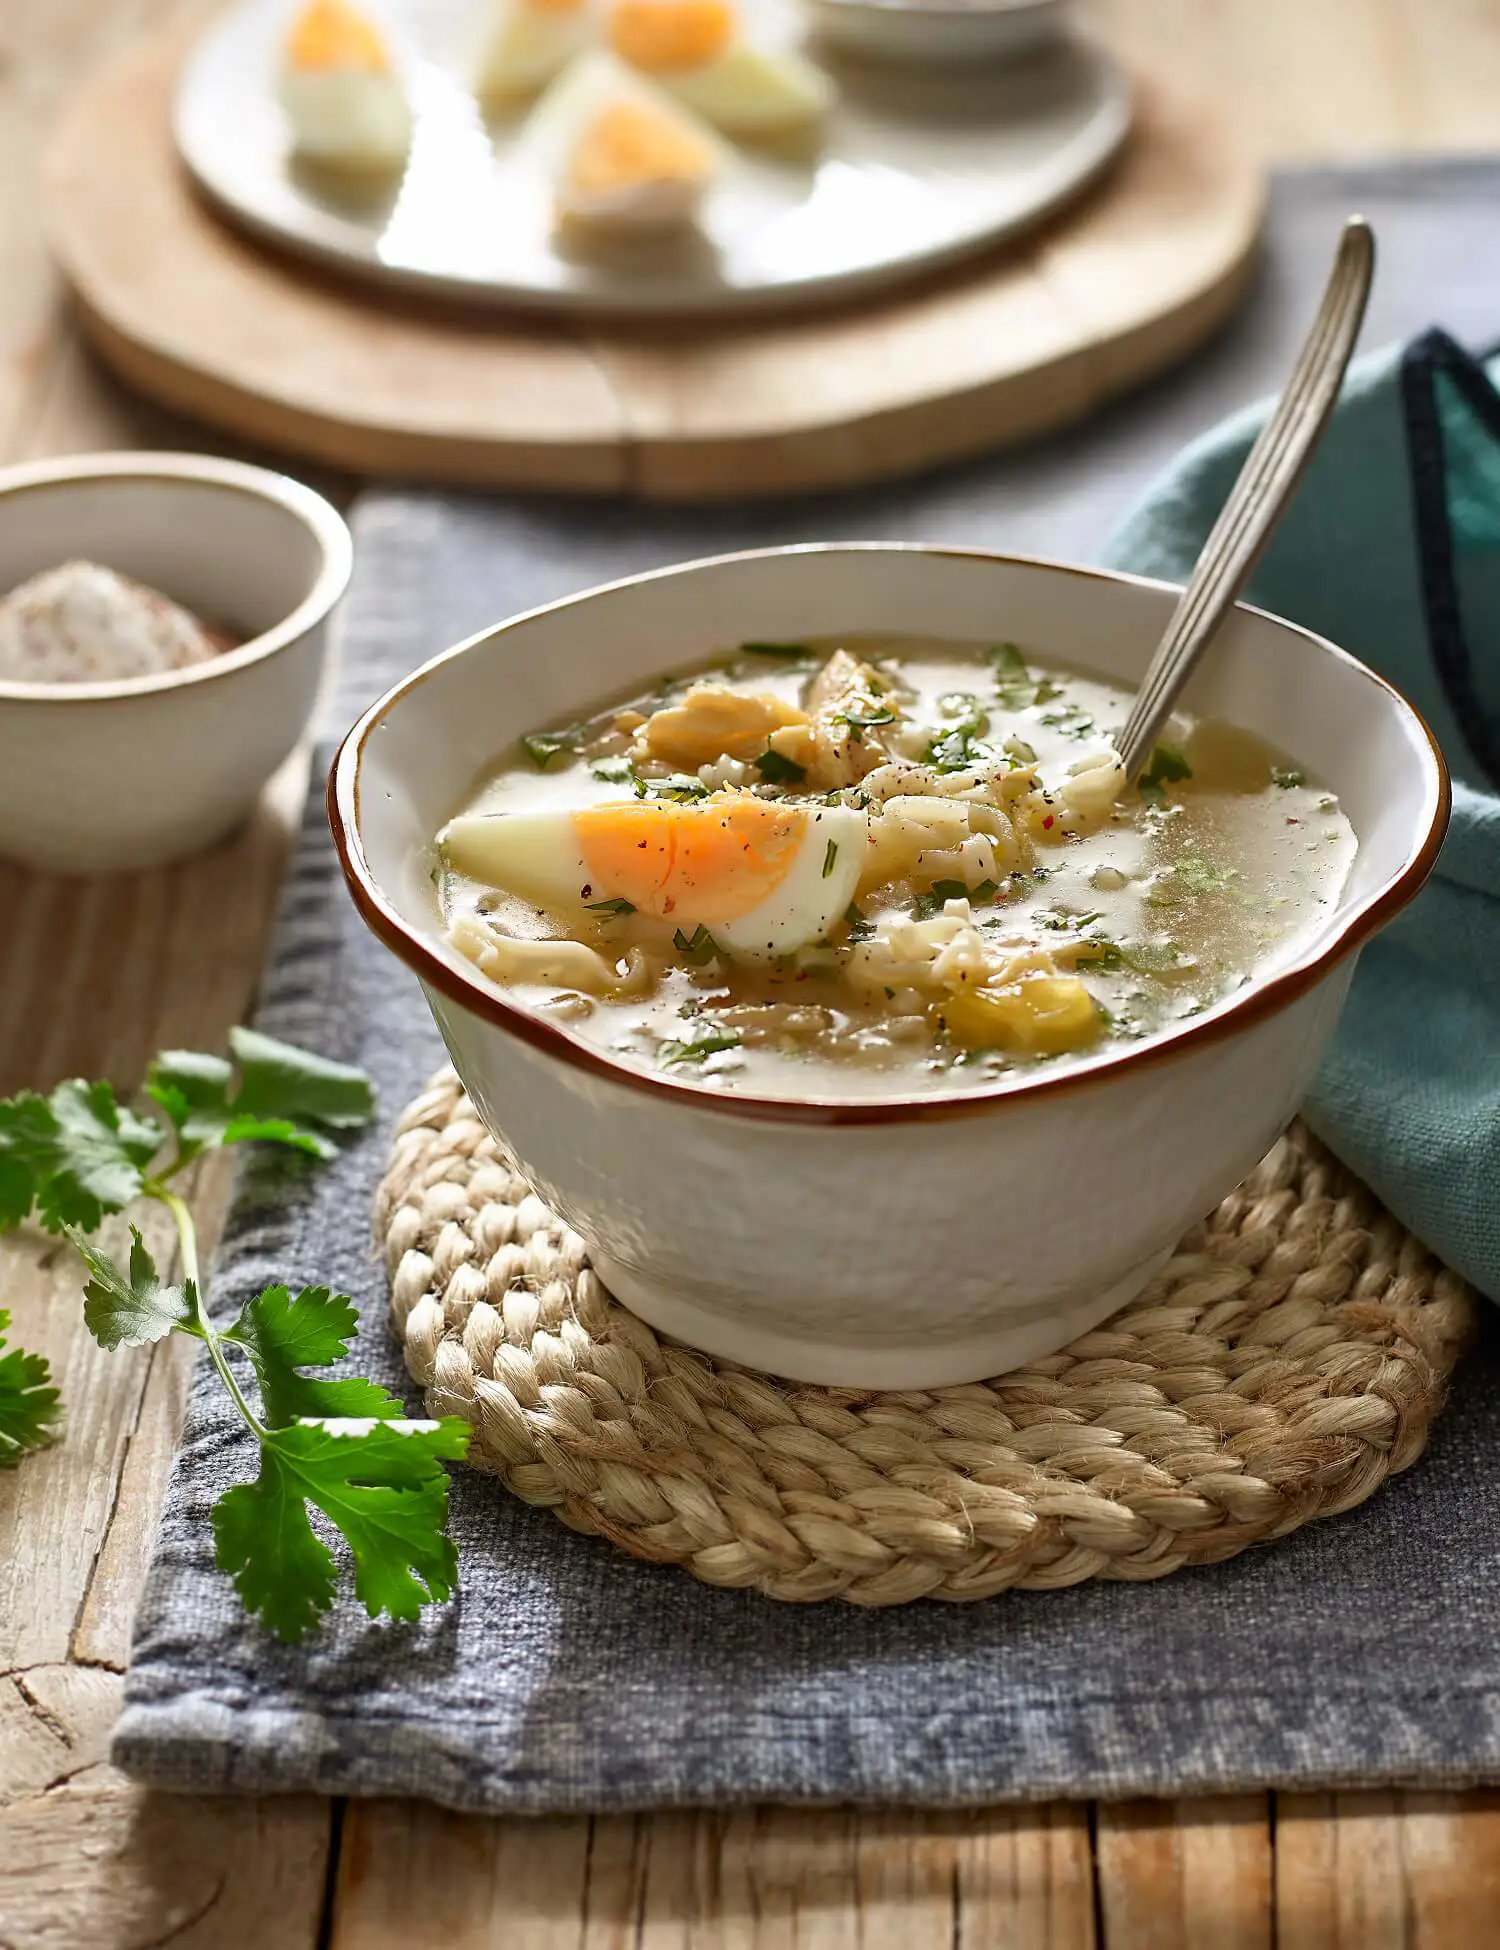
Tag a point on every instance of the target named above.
point(697, 51)
point(621, 154)
point(530, 44)
point(340, 91)
point(763, 879)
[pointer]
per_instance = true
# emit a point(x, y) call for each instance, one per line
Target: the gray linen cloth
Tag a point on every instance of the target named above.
point(565, 1676)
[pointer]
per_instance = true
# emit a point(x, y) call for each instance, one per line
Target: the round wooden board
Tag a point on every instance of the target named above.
point(211, 324)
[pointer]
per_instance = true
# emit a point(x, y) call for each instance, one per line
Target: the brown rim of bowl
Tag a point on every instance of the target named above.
point(483, 999)
point(322, 520)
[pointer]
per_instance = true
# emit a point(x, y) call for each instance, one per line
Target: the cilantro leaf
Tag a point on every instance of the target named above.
point(278, 1080)
point(541, 747)
point(785, 652)
point(278, 1130)
point(708, 1044)
point(129, 1306)
point(28, 1134)
point(859, 722)
point(699, 947)
point(193, 1090)
point(84, 1153)
point(1167, 767)
point(282, 1335)
point(381, 1484)
point(1015, 686)
point(680, 787)
point(28, 1402)
point(776, 770)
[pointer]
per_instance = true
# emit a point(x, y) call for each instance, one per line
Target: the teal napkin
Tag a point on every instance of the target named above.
point(1392, 549)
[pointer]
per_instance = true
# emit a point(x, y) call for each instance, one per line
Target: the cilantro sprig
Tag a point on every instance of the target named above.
point(339, 1446)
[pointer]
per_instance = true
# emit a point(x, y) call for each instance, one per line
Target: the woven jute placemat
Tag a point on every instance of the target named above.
point(1288, 1358)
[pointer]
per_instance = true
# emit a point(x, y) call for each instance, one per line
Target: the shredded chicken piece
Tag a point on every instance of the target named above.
point(712, 722)
point(840, 746)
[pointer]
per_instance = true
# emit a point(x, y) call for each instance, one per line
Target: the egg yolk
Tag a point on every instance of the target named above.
point(330, 34)
point(661, 35)
point(706, 863)
point(627, 143)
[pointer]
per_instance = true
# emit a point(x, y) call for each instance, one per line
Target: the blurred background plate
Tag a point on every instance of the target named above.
point(919, 167)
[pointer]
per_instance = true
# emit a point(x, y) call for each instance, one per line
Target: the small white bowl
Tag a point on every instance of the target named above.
point(901, 1241)
point(100, 776)
point(944, 33)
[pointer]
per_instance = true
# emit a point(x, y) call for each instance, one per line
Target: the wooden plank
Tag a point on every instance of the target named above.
point(101, 1863)
point(765, 1879)
point(1174, 1875)
point(1387, 1871)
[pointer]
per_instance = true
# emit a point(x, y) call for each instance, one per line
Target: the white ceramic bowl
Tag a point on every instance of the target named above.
point(95, 777)
point(895, 1241)
point(942, 32)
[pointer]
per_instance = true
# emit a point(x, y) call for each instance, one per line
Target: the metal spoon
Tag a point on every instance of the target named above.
point(1273, 468)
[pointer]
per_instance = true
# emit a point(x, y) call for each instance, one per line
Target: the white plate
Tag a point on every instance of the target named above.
point(915, 169)
point(939, 31)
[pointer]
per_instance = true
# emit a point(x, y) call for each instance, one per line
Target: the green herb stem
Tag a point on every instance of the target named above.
point(202, 1326)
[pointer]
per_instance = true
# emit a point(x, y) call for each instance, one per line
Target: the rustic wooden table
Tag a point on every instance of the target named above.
point(93, 978)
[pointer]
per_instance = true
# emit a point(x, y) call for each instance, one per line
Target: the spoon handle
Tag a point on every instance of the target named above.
point(1271, 472)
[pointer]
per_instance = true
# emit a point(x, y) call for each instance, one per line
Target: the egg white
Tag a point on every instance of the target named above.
point(812, 896)
point(533, 855)
point(754, 91)
point(561, 120)
point(353, 118)
point(536, 857)
point(529, 47)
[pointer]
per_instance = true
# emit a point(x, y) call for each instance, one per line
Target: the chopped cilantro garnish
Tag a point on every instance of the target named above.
point(830, 856)
point(776, 770)
point(1286, 776)
point(699, 946)
point(613, 771)
point(680, 786)
point(709, 1044)
point(941, 891)
point(859, 722)
point(783, 652)
point(610, 910)
point(1015, 686)
point(1072, 721)
point(1167, 767)
point(541, 747)
point(960, 747)
point(1199, 877)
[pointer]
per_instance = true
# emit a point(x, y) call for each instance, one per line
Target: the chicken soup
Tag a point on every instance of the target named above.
point(876, 865)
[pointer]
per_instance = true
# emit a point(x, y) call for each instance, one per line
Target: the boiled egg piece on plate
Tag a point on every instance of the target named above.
point(530, 44)
point(762, 878)
point(340, 91)
point(621, 155)
point(697, 50)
